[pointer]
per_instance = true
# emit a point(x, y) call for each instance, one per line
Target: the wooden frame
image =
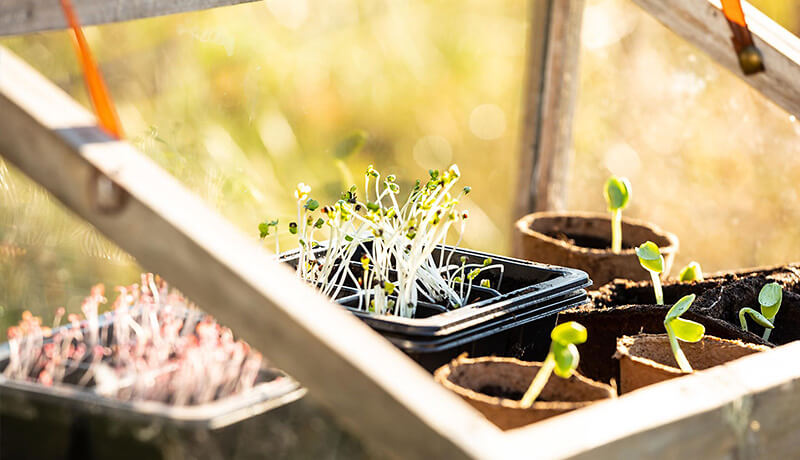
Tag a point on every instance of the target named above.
point(702, 23)
point(744, 408)
point(27, 16)
point(549, 100)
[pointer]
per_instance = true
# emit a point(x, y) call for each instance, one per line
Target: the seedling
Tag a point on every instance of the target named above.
point(691, 272)
point(682, 329)
point(617, 192)
point(770, 299)
point(394, 241)
point(651, 260)
point(562, 359)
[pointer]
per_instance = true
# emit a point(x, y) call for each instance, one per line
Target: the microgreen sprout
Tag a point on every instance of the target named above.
point(691, 272)
point(562, 359)
point(396, 239)
point(617, 192)
point(651, 260)
point(682, 329)
point(770, 299)
point(154, 346)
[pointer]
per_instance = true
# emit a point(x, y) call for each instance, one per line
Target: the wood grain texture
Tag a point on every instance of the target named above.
point(379, 393)
point(702, 23)
point(19, 17)
point(549, 100)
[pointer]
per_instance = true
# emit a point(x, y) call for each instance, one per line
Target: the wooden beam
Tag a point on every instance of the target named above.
point(26, 16)
point(379, 393)
point(549, 99)
point(744, 409)
point(702, 23)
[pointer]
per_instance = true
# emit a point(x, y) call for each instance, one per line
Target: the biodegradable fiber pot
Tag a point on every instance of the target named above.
point(583, 240)
point(646, 359)
point(495, 385)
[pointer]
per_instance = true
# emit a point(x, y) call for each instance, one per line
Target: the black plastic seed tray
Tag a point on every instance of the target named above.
point(75, 422)
point(515, 321)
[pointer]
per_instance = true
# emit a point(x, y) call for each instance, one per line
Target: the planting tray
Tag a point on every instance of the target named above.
point(78, 423)
point(514, 321)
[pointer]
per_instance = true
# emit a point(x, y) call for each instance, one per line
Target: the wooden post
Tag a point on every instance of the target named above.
point(379, 393)
point(549, 100)
point(702, 23)
point(26, 16)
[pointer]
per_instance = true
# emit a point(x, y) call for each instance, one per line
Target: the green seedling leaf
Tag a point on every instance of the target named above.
point(686, 330)
point(770, 299)
point(680, 307)
point(691, 272)
point(567, 359)
point(650, 257)
point(760, 319)
point(617, 192)
point(351, 144)
point(263, 227)
point(568, 333)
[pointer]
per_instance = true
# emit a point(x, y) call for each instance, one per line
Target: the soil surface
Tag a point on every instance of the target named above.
point(500, 392)
point(584, 241)
point(719, 297)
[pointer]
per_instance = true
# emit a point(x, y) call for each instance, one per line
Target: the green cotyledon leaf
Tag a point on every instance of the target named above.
point(650, 257)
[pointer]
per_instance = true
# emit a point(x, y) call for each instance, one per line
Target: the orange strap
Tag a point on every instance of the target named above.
point(733, 11)
point(101, 100)
point(735, 16)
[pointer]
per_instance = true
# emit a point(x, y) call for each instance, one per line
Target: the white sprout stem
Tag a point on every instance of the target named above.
point(680, 358)
point(616, 231)
point(657, 287)
point(538, 383)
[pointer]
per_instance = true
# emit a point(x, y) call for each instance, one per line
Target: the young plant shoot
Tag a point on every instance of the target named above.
point(682, 329)
point(398, 244)
point(562, 359)
point(691, 272)
point(651, 260)
point(770, 299)
point(617, 192)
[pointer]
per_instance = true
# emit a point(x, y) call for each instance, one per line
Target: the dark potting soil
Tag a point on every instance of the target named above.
point(500, 392)
point(719, 297)
point(584, 241)
point(604, 326)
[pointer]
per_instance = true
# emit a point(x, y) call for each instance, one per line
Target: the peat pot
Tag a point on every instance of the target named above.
point(606, 325)
point(583, 240)
point(512, 319)
point(495, 385)
point(719, 296)
point(645, 359)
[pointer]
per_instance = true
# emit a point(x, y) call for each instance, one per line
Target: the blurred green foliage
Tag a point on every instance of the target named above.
point(242, 103)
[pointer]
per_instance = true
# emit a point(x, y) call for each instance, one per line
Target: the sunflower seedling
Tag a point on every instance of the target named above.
point(651, 260)
point(617, 192)
point(770, 299)
point(691, 272)
point(562, 359)
point(682, 329)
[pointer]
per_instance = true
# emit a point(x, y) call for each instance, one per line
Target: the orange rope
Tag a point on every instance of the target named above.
point(733, 11)
point(101, 100)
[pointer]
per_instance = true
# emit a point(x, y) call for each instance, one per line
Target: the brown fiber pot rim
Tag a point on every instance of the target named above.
point(600, 390)
point(630, 347)
point(524, 226)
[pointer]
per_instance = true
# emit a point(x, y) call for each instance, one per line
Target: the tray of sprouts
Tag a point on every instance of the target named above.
point(153, 362)
point(383, 253)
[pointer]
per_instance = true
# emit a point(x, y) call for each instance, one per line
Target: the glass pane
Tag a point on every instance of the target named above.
point(710, 159)
point(242, 103)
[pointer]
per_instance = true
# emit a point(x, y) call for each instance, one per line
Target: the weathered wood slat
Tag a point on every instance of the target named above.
point(702, 23)
point(744, 409)
point(549, 101)
point(379, 393)
point(25, 16)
